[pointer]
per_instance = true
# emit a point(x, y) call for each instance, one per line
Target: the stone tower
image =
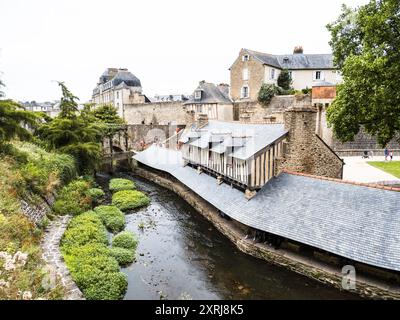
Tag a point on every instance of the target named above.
point(304, 150)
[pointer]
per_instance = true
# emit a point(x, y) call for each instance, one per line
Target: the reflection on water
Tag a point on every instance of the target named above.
point(182, 256)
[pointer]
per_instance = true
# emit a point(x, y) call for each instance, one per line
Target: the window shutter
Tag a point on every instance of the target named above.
point(322, 76)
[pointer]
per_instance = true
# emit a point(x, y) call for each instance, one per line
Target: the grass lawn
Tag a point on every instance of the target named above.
point(392, 167)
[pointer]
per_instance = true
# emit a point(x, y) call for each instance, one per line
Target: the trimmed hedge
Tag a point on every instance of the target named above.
point(96, 194)
point(130, 199)
point(119, 184)
point(84, 229)
point(92, 266)
point(112, 217)
point(73, 198)
point(123, 256)
point(126, 240)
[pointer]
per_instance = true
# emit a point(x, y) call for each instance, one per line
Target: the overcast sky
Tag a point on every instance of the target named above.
point(169, 45)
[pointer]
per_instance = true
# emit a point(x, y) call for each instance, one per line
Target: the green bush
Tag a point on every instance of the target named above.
point(130, 199)
point(96, 271)
point(73, 199)
point(266, 93)
point(126, 240)
point(119, 184)
point(96, 194)
point(112, 217)
point(122, 255)
point(106, 286)
point(83, 229)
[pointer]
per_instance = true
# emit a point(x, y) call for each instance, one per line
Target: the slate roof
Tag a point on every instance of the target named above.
point(247, 139)
point(210, 94)
point(297, 61)
point(356, 222)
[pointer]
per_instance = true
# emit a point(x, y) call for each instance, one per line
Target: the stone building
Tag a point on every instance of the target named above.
point(252, 69)
point(118, 87)
point(212, 101)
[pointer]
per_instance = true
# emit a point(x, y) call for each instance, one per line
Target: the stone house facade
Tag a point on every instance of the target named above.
point(252, 69)
point(211, 100)
point(118, 87)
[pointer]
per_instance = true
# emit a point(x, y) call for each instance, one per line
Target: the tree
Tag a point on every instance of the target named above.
point(68, 105)
point(284, 79)
point(365, 45)
point(267, 92)
point(13, 117)
point(72, 133)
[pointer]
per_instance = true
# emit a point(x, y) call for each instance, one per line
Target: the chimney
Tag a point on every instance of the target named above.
point(298, 50)
point(201, 120)
point(224, 88)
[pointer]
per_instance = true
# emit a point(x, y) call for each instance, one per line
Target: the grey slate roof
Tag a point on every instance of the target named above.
point(210, 94)
point(356, 222)
point(297, 61)
point(247, 139)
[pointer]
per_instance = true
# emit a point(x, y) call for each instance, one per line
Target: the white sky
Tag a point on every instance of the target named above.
point(170, 45)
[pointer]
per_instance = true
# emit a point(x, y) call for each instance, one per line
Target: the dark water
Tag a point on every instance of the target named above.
point(181, 255)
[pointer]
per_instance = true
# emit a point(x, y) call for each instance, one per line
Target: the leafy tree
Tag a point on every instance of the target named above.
point(72, 133)
point(284, 79)
point(267, 92)
point(365, 45)
point(13, 117)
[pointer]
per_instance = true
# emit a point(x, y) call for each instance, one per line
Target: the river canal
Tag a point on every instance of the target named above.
point(182, 256)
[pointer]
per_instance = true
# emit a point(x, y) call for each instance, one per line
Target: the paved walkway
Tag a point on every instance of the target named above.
point(357, 169)
point(54, 259)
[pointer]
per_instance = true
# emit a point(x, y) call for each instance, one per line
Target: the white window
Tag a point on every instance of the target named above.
point(197, 95)
point(319, 75)
point(117, 95)
point(272, 74)
point(245, 92)
point(246, 57)
point(246, 74)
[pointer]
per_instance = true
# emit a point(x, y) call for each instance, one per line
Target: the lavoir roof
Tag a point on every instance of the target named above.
point(356, 222)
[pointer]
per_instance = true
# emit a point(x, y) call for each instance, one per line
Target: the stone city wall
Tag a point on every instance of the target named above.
point(254, 112)
point(162, 113)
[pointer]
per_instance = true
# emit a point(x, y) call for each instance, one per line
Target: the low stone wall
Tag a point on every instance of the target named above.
point(295, 262)
point(254, 112)
point(155, 113)
point(54, 259)
point(37, 212)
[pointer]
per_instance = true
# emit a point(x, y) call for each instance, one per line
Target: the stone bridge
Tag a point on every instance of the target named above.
point(139, 136)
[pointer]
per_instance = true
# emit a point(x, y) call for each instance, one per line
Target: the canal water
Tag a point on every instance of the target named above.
point(182, 256)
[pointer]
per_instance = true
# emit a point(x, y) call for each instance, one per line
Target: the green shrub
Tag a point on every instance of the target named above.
point(122, 255)
point(96, 271)
point(106, 286)
point(96, 194)
point(130, 199)
point(119, 184)
point(73, 198)
point(83, 229)
point(112, 217)
point(126, 240)
point(266, 93)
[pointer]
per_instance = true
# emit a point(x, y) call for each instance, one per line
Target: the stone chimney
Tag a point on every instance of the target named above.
point(201, 120)
point(298, 50)
point(224, 88)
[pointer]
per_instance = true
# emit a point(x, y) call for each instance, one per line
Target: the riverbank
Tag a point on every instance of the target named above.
point(322, 272)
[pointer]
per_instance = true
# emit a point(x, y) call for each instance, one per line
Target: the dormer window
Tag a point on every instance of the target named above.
point(285, 60)
point(197, 95)
point(246, 57)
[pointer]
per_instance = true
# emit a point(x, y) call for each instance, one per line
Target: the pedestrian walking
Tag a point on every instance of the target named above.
point(386, 152)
